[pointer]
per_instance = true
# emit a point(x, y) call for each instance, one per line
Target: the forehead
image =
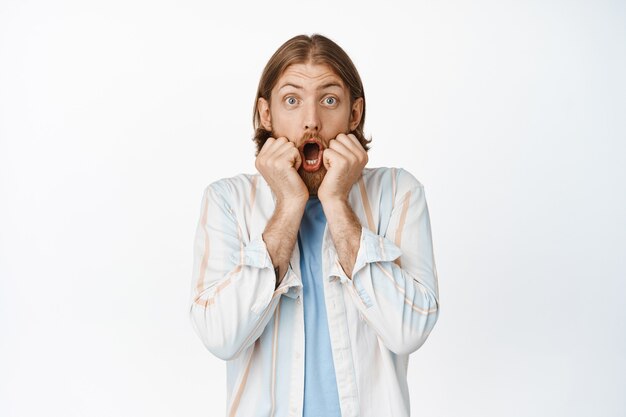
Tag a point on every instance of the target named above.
point(309, 75)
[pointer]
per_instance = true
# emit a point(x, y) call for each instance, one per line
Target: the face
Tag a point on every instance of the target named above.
point(310, 105)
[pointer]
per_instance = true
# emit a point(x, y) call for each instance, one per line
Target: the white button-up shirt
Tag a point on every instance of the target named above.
point(375, 320)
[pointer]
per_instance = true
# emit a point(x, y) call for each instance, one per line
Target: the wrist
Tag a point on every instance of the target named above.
point(334, 202)
point(291, 204)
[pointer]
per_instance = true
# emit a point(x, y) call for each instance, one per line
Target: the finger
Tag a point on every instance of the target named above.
point(290, 153)
point(341, 136)
point(351, 142)
point(261, 159)
point(269, 142)
point(354, 142)
point(268, 155)
point(344, 150)
point(327, 155)
point(297, 161)
point(282, 146)
point(332, 158)
point(276, 144)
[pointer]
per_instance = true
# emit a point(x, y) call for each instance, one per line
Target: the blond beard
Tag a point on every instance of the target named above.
point(312, 180)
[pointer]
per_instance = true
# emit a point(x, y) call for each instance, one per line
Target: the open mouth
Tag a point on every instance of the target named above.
point(311, 152)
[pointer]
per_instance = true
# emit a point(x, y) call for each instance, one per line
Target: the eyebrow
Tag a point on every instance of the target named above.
point(298, 87)
point(330, 84)
point(322, 87)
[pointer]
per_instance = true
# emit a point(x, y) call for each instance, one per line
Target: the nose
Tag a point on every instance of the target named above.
point(311, 117)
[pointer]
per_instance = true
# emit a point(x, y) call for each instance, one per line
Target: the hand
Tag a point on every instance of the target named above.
point(278, 162)
point(344, 160)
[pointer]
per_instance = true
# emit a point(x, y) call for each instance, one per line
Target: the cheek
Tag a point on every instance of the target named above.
point(338, 120)
point(280, 121)
point(286, 126)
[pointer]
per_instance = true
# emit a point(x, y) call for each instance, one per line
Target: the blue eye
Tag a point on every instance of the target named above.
point(330, 100)
point(291, 100)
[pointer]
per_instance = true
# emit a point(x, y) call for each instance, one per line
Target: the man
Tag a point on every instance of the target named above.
point(314, 279)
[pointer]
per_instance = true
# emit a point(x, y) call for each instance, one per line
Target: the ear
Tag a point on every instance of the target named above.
point(264, 114)
point(356, 113)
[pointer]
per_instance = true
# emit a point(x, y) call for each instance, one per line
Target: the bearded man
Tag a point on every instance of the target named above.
point(315, 278)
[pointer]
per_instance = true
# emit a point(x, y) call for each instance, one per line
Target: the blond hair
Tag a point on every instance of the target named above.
point(302, 49)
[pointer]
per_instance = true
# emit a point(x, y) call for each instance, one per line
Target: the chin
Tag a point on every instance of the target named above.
point(312, 180)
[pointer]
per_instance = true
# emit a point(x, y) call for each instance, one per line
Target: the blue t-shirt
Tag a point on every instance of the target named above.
point(320, 384)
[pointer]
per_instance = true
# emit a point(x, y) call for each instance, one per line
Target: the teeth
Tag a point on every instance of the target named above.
point(311, 161)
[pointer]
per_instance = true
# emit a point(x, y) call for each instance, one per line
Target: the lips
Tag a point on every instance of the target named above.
point(311, 152)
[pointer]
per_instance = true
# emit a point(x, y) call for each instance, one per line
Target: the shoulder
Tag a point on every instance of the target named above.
point(233, 188)
point(235, 183)
point(399, 179)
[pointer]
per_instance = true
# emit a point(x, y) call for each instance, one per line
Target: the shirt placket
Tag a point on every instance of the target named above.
point(339, 336)
point(297, 361)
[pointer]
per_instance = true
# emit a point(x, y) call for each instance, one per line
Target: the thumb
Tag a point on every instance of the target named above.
point(297, 160)
point(326, 157)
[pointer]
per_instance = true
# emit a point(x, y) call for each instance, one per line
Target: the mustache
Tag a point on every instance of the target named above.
point(325, 141)
point(306, 136)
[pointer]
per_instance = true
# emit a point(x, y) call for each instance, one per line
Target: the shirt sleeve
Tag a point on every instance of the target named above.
point(394, 280)
point(233, 283)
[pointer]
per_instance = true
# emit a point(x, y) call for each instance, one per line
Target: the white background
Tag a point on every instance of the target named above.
point(114, 115)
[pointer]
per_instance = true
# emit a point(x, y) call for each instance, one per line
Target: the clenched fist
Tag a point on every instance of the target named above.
point(344, 160)
point(278, 162)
